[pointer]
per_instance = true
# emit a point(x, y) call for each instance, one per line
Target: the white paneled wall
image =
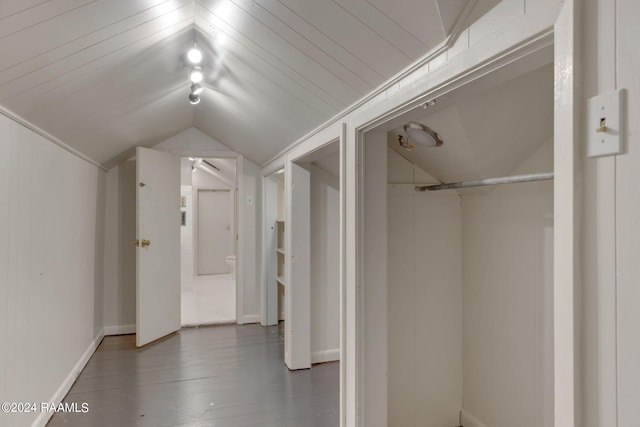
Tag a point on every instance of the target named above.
point(51, 265)
point(325, 265)
point(425, 308)
point(507, 259)
point(251, 221)
point(120, 251)
point(470, 296)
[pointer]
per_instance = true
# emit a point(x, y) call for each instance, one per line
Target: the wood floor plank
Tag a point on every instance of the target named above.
point(227, 376)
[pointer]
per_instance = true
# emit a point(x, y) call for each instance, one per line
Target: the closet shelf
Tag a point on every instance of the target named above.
point(280, 251)
point(280, 280)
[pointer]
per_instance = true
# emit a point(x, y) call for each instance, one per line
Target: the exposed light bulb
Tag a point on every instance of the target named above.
point(196, 75)
point(196, 88)
point(194, 99)
point(194, 55)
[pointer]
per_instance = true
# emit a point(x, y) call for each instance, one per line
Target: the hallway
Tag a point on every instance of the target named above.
point(210, 376)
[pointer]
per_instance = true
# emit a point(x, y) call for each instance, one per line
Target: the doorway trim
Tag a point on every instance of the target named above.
point(563, 35)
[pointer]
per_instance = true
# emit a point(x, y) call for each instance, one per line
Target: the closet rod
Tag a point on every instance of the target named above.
point(489, 181)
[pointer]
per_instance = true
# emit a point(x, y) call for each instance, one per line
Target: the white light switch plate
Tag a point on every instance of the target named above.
point(608, 106)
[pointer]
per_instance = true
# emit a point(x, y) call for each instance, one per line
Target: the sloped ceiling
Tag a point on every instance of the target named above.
point(486, 133)
point(107, 75)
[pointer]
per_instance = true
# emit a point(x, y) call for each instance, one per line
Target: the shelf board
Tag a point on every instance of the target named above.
point(280, 280)
point(280, 251)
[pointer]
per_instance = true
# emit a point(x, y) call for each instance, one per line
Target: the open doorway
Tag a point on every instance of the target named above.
point(207, 239)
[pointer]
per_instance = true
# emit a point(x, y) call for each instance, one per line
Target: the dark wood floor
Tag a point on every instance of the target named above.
point(210, 376)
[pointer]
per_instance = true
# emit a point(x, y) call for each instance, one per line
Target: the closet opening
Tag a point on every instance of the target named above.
point(312, 266)
point(458, 264)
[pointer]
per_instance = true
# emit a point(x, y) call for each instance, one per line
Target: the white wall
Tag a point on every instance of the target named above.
point(610, 342)
point(507, 259)
point(471, 298)
point(250, 261)
point(425, 308)
point(51, 267)
point(120, 251)
point(325, 266)
point(375, 303)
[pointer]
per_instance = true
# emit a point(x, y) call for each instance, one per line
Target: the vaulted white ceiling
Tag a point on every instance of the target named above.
point(107, 75)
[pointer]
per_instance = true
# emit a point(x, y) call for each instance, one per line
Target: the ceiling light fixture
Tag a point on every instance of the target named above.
point(419, 134)
point(194, 99)
point(196, 88)
point(194, 55)
point(196, 74)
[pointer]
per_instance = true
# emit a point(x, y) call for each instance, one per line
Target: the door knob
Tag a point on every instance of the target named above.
point(137, 243)
point(145, 243)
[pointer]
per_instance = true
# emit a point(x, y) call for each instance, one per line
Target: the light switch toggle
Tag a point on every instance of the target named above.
point(605, 128)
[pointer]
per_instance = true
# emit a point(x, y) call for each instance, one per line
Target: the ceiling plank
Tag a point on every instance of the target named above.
point(36, 15)
point(247, 28)
point(351, 34)
point(286, 77)
point(111, 51)
point(417, 16)
point(385, 27)
point(301, 29)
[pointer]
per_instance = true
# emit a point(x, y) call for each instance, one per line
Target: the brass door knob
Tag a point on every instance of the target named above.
point(145, 243)
point(137, 243)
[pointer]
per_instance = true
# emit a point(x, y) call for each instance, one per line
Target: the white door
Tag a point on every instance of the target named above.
point(214, 231)
point(158, 253)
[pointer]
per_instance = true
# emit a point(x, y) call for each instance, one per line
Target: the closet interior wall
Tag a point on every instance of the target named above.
point(470, 286)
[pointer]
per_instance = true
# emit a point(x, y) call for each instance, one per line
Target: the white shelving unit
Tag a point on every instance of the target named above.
point(280, 277)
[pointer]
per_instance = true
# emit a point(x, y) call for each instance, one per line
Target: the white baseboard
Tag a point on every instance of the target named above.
point(468, 420)
point(119, 330)
point(64, 388)
point(325, 356)
point(251, 318)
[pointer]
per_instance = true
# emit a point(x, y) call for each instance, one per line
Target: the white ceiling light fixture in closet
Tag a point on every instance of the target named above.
point(421, 135)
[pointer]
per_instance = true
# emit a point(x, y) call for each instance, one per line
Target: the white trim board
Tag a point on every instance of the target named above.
point(468, 420)
point(324, 356)
point(24, 122)
point(66, 385)
point(119, 330)
point(251, 318)
point(522, 38)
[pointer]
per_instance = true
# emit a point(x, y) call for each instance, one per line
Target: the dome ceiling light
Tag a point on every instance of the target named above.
point(419, 134)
